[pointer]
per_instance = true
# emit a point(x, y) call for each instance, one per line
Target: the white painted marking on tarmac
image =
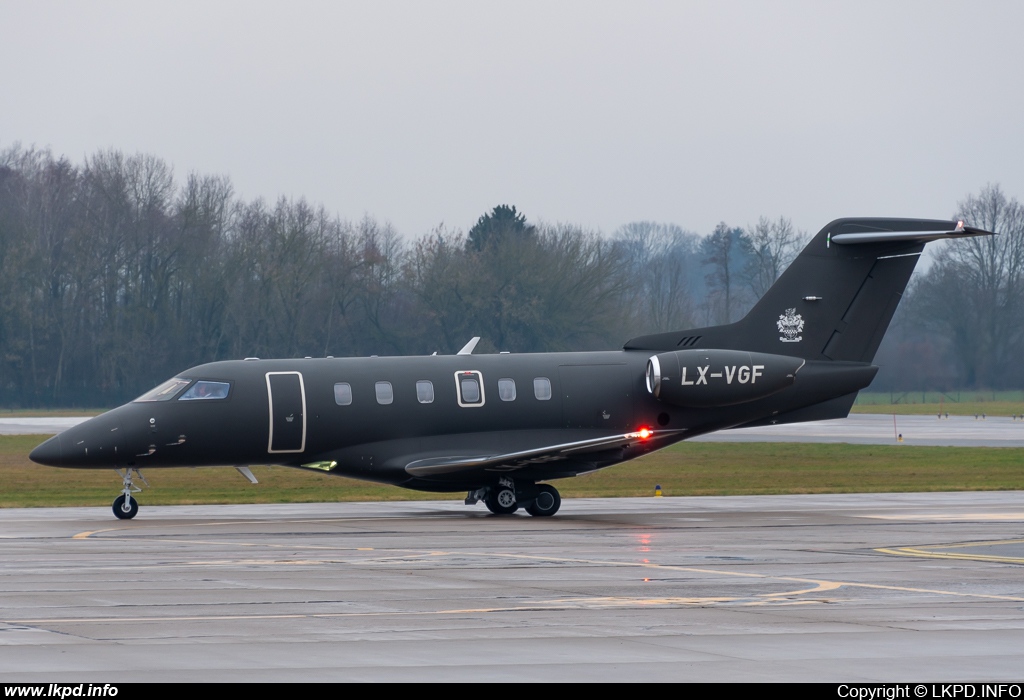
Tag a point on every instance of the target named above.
point(414, 554)
point(950, 517)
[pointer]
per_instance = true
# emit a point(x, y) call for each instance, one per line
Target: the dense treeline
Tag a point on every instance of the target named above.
point(962, 323)
point(114, 275)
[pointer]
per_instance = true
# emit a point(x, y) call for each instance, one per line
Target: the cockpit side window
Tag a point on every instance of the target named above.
point(204, 390)
point(166, 391)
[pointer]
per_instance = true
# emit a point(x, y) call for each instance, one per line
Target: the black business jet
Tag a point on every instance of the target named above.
point(498, 425)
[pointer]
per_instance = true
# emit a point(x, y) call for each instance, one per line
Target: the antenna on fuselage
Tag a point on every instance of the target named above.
point(469, 347)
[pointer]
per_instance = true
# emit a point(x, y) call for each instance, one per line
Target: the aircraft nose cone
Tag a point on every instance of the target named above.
point(48, 453)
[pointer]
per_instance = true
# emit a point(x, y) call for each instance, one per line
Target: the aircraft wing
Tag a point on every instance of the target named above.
point(515, 460)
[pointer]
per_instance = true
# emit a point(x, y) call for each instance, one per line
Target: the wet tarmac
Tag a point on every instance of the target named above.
point(880, 587)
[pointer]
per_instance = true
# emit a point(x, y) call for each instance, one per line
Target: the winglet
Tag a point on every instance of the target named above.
point(469, 347)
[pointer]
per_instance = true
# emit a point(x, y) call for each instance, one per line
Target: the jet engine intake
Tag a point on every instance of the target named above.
point(712, 378)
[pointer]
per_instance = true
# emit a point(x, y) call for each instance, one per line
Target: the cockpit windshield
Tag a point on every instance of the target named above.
point(206, 390)
point(166, 391)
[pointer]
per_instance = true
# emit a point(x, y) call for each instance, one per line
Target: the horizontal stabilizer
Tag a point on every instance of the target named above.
point(448, 465)
point(881, 235)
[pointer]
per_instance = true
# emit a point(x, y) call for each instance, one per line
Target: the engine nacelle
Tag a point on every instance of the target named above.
point(712, 378)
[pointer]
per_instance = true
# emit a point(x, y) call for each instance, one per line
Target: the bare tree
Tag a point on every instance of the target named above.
point(723, 252)
point(113, 276)
point(436, 275)
point(770, 247)
point(663, 271)
point(378, 278)
point(974, 292)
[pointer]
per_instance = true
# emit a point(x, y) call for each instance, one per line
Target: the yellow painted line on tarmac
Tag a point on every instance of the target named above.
point(818, 585)
point(985, 544)
point(539, 605)
point(164, 526)
point(399, 554)
point(161, 526)
point(90, 533)
point(747, 574)
point(544, 605)
point(933, 552)
point(221, 618)
point(950, 517)
point(269, 545)
point(297, 562)
point(822, 587)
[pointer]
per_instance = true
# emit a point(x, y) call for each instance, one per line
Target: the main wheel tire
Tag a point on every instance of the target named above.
point(501, 501)
point(547, 502)
point(123, 513)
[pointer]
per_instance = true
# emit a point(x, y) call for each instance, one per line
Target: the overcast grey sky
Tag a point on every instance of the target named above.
point(597, 113)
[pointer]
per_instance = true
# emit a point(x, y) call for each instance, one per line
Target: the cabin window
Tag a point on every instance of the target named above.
point(202, 391)
point(424, 391)
point(470, 385)
point(542, 388)
point(507, 389)
point(385, 394)
point(166, 391)
point(343, 394)
point(470, 389)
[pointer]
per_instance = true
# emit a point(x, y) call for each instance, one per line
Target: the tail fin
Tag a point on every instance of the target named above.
point(835, 301)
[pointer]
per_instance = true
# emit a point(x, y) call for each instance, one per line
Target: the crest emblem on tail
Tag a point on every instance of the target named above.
point(791, 325)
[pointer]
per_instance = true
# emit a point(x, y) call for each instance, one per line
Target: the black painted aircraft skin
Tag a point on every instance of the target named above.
point(497, 425)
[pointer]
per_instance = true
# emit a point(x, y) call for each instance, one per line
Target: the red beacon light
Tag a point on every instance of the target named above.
point(644, 433)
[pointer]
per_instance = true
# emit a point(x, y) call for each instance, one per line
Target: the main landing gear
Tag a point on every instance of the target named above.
point(505, 498)
point(546, 503)
point(125, 506)
point(501, 500)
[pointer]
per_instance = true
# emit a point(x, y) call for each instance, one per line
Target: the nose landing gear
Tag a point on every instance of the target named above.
point(125, 507)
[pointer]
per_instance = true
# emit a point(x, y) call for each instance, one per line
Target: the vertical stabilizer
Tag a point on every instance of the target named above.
point(836, 299)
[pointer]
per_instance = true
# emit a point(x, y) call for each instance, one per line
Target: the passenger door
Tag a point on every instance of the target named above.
point(287, 396)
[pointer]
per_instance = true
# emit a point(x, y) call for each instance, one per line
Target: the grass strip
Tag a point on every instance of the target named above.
point(974, 408)
point(687, 469)
point(955, 403)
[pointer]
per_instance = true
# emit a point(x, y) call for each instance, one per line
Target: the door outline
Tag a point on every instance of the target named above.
point(270, 403)
point(458, 388)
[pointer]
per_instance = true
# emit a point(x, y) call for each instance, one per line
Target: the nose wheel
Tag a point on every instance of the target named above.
point(125, 507)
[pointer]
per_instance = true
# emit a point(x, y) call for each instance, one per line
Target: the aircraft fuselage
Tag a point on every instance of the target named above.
point(289, 412)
